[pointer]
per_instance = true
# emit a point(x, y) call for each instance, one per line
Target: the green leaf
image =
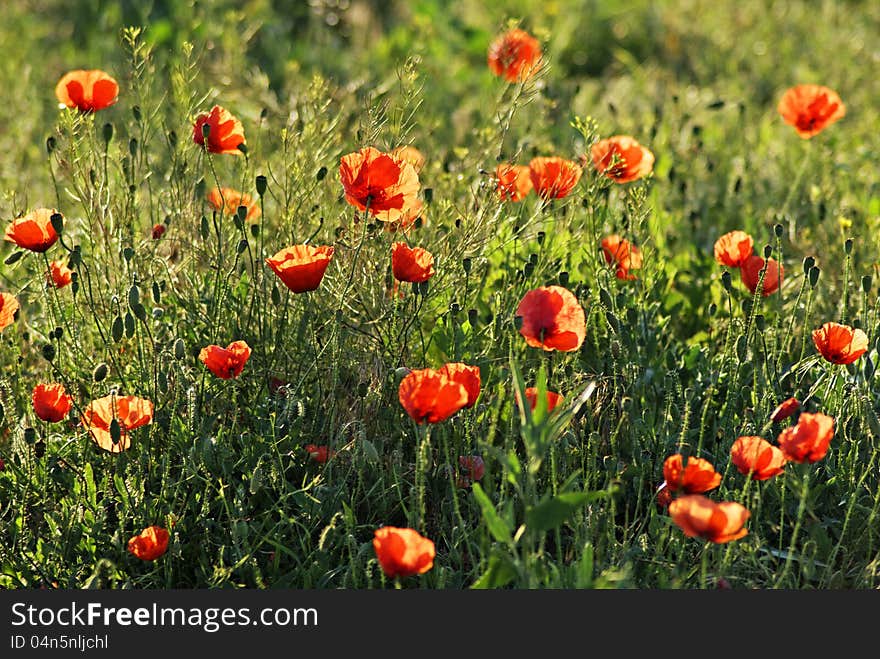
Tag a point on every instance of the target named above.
point(500, 572)
point(584, 575)
point(553, 512)
point(499, 529)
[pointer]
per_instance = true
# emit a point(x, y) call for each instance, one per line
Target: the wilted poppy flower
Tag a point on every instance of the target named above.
point(301, 267)
point(750, 272)
point(810, 108)
point(226, 362)
point(87, 91)
point(552, 319)
point(411, 155)
point(734, 248)
point(514, 181)
point(700, 517)
point(514, 55)
point(785, 409)
point(553, 399)
point(402, 552)
point(157, 231)
point(59, 274)
point(623, 255)
point(382, 183)
point(225, 132)
point(33, 231)
point(432, 396)
point(129, 411)
point(697, 476)
point(621, 158)
point(809, 439)
point(150, 543)
point(472, 467)
point(467, 376)
point(8, 308)
point(840, 344)
point(51, 401)
point(227, 200)
point(554, 178)
point(319, 453)
point(758, 457)
point(411, 264)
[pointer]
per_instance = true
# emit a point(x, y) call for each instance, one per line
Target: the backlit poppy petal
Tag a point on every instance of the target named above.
point(226, 362)
point(700, 517)
point(514, 182)
point(758, 457)
point(840, 344)
point(750, 273)
point(411, 264)
point(384, 184)
point(87, 90)
point(33, 231)
point(8, 308)
point(51, 402)
point(809, 439)
point(552, 319)
point(149, 544)
point(810, 108)
point(734, 248)
point(301, 267)
point(225, 132)
point(621, 158)
point(514, 55)
point(697, 476)
point(553, 178)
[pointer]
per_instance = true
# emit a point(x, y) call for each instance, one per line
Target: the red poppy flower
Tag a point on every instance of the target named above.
point(301, 267)
point(514, 181)
point(809, 439)
point(758, 457)
point(623, 255)
point(33, 231)
point(734, 248)
point(87, 91)
point(700, 517)
point(472, 468)
point(553, 399)
point(552, 319)
point(467, 376)
point(130, 412)
point(664, 495)
point(319, 454)
point(514, 55)
point(411, 155)
point(384, 183)
point(810, 108)
point(225, 132)
point(411, 264)
point(697, 476)
point(785, 409)
point(554, 178)
point(8, 308)
point(51, 401)
point(621, 158)
point(226, 362)
point(840, 344)
point(227, 200)
point(157, 231)
point(59, 274)
point(149, 544)
point(750, 272)
point(432, 396)
point(402, 552)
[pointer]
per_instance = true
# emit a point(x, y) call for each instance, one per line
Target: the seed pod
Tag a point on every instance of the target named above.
point(262, 183)
point(563, 278)
point(814, 276)
point(866, 283)
point(541, 236)
point(107, 132)
point(768, 250)
point(778, 230)
point(100, 372)
point(206, 130)
point(429, 195)
point(136, 111)
point(49, 352)
point(466, 263)
point(50, 144)
point(30, 435)
point(518, 322)
point(809, 262)
point(423, 288)
point(40, 449)
point(760, 323)
point(322, 172)
point(157, 293)
point(473, 317)
point(847, 246)
point(726, 281)
point(57, 220)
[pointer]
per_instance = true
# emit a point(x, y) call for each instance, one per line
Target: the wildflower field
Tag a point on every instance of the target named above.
point(442, 295)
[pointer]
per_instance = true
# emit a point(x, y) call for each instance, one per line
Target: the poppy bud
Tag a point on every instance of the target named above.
point(156, 292)
point(533, 259)
point(206, 131)
point(541, 236)
point(472, 317)
point(255, 230)
point(423, 287)
point(760, 323)
point(777, 230)
point(276, 296)
point(172, 138)
point(134, 296)
point(613, 321)
point(133, 147)
point(868, 368)
point(75, 257)
point(58, 333)
point(107, 132)
point(140, 312)
point(128, 321)
point(49, 352)
point(242, 246)
point(242, 212)
point(204, 229)
point(13, 258)
point(179, 349)
point(115, 431)
point(518, 322)
point(528, 269)
point(262, 183)
point(322, 172)
point(30, 435)
point(40, 449)
point(116, 329)
point(127, 254)
point(429, 195)
point(243, 148)
point(466, 263)
point(615, 349)
point(742, 347)
point(866, 283)
point(563, 278)
point(136, 111)
point(57, 221)
point(363, 389)
point(768, 250)
point(713, 309)
point(726, 281)
point(814, 276)
point(50, 144)
point(605, 298)
point(809, 262)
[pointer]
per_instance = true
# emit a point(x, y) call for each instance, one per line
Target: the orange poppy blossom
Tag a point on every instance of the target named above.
point(750, 273)
point(621, 158)
point(226, 362)
point(809, 439)
point(225, 132)
point(622, 254)
point(411, 264)
point(734, 248)
point(785, 409)
point(59, 274)
point(227, 201)
point(319, 454)
point(552, 319)
point(157, 231)
point(433, 395)
point(840, 344)
point(51, 402)
point(382, 183)
point(810, 108)
point(8, 308)
point(554, 177)
point(33, 231)
point(149, 544)
point(698, 475)
point(411, 155)
point(514, 181)
point(402, 552)
point(756, 457)
point(700, 517)
point(553, 399)
point(301, 267)
point(514, 55)
point(130, 412)
point(87, 90)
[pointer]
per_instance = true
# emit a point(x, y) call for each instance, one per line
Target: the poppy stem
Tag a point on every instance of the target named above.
point(792, 224)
